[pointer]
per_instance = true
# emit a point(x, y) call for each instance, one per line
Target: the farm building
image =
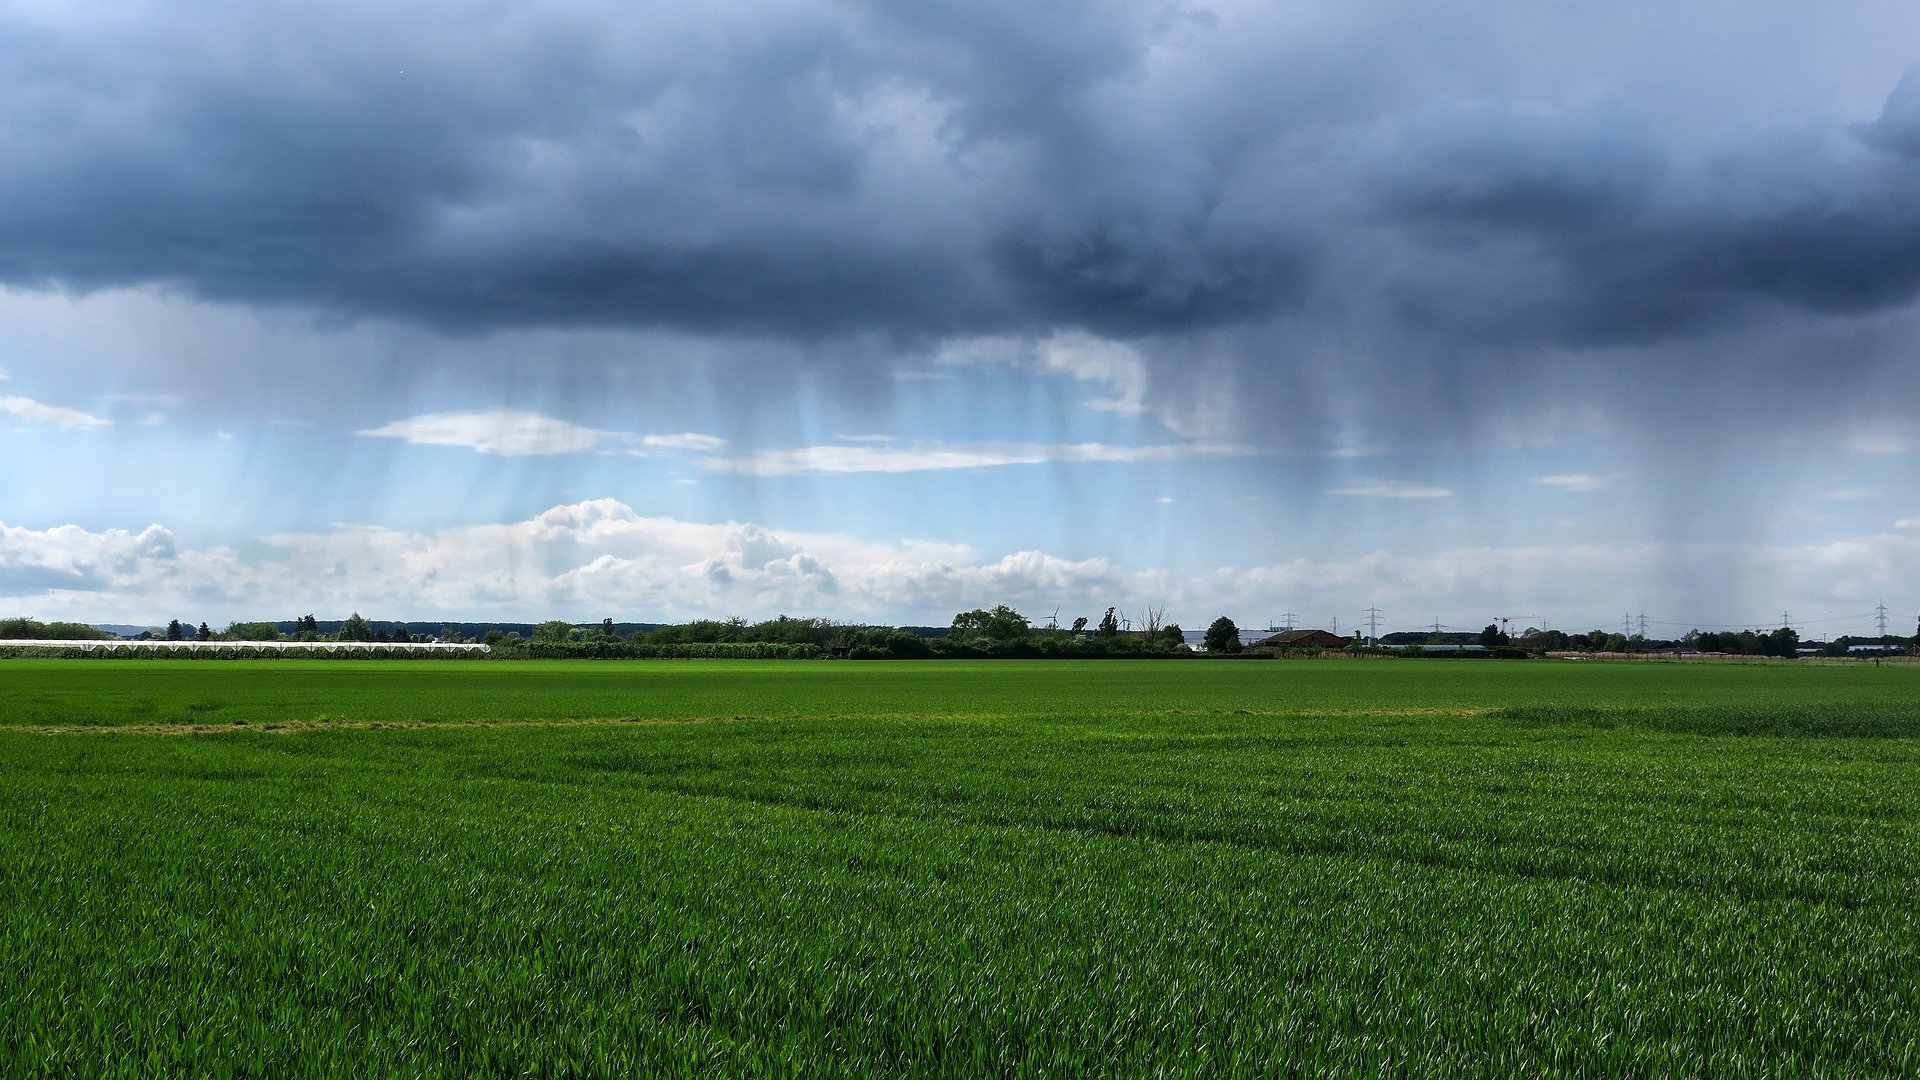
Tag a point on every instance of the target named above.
point(1303, 639)
point(1195, 639)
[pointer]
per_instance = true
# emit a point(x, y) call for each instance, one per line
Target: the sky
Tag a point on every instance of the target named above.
point(1551, 309)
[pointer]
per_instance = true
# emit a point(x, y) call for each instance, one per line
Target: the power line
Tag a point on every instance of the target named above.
point(1747, 624)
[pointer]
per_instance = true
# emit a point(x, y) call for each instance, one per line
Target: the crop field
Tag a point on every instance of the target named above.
point(993, 868)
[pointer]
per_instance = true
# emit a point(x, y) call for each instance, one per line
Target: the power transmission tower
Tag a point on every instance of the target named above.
point(1643, 625)
point(1336, 626)
point(1626, 625)
point(1373, 623)
point(1289, 617)
point(1436, 624)
point(1880, 617)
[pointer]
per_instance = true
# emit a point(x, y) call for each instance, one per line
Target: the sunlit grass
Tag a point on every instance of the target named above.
point(1036, 877)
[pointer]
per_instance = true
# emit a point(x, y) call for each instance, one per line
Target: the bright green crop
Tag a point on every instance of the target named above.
point(961, 869)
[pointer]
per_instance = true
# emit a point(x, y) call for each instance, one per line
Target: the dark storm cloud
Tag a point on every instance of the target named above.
point(1586, 230)
point(788, 168)
point(801, 169)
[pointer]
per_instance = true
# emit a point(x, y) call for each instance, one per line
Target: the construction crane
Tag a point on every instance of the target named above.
point(1506, 622)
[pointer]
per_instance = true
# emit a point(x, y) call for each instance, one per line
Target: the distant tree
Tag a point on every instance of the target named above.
point(553, 630)
point(356, 628)
point(401, 633)
point(1173, 636)
point(1006, 624)
point(20, 627)
point(176, 632)
point(969, 623)
point(205, 633)
point(1492, 638)
point(1616, 643)
point(1222, 636)
point(1000, 624)
point(787, 630)
point(1080, 625)
point(250, 631)
point(1109, 626)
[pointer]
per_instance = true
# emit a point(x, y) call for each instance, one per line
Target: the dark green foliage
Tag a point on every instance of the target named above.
point(1222, 636)
point(603, 649)
point(882, 643)
point(1001, 624)
point(54, 631)
point(1781, 642)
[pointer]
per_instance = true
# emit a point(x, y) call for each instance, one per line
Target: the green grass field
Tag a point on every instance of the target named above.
point(1129, 868)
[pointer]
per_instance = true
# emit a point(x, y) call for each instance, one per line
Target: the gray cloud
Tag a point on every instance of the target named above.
point(1348, 214)
point(782, 168)
point(1585, 229)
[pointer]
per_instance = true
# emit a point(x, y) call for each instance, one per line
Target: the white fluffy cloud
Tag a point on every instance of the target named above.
point(54, 416)
point(508, 432)
point(594, 559)
point(520, 433)
point(1116, 365)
